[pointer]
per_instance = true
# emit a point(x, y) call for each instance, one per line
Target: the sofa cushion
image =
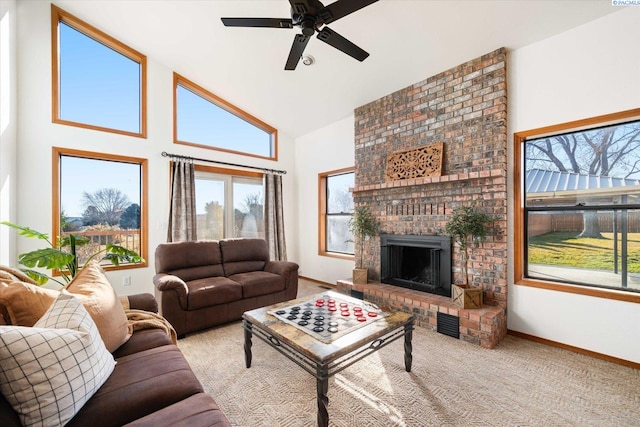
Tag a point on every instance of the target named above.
point(256, 283)
point(141, 383)
point(212, 291)
point(243, 255)
point(199, 410)
point(93, 289)
point(49, 371)
point(189, 260)
point(141, 340)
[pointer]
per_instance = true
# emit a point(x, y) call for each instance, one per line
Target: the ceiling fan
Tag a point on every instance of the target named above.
point(310, 16)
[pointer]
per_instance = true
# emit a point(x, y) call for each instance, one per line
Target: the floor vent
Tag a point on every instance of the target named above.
point(448, 325)
point(357, 294)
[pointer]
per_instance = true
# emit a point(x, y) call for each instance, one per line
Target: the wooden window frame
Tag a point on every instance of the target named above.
point(322, 214)
point(58, 15)
point(519, 211)
point(57, 152)
point(179, 80)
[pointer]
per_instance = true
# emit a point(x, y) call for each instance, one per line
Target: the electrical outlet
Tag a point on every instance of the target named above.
point(126, 281)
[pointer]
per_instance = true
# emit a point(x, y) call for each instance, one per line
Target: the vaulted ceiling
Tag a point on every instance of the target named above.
point(408, 41)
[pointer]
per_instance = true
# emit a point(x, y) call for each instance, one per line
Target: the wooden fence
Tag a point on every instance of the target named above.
point(557, 222)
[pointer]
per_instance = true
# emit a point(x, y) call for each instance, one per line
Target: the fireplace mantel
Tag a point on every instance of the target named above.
point(501, 173)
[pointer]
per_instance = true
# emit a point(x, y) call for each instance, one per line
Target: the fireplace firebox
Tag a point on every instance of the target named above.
point(416, 262)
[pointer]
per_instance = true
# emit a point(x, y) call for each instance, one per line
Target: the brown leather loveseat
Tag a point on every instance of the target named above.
point(200, 284)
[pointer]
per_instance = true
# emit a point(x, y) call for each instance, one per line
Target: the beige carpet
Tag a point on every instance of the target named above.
point(452, 383)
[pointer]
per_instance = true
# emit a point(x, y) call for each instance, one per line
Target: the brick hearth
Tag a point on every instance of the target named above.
point(486, 326)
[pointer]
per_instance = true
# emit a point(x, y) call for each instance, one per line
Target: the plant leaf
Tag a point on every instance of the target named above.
point(49, 258)
point(117, 254)
point(38, 277)
point(79, 240)
point(26, 231)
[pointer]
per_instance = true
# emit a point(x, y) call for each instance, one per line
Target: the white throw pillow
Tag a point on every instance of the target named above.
point(50, 370)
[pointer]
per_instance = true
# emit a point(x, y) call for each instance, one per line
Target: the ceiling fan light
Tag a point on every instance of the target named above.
point(308, 60)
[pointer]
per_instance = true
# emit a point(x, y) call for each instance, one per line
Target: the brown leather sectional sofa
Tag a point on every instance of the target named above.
point(200, 284)
point(151, 385)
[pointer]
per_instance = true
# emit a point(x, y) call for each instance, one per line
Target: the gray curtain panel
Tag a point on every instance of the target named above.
point(274, 218)
point(182, 212)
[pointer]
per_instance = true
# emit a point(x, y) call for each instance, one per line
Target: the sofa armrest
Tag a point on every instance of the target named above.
point(286, 269)
point(168, 282)
point(146, 302)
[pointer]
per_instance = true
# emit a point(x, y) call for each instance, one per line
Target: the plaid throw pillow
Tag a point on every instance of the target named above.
point(50, 370)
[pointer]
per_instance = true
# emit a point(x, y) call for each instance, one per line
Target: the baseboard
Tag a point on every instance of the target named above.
point(319, 282)
point(575, 349)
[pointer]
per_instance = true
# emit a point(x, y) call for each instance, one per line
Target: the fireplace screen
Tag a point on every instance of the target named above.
point(417, 262)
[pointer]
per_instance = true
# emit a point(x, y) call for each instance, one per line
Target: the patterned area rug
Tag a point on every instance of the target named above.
point(452, 383)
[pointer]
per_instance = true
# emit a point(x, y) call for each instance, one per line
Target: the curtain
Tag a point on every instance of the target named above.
point(182, 211)
point(274, 218)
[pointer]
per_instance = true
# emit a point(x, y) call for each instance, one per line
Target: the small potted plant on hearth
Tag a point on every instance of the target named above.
point(363, 225)
point(468, 228)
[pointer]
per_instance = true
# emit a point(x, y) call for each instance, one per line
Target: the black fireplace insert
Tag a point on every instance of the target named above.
point(416, 262)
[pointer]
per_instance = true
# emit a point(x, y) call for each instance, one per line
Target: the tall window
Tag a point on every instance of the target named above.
point(98, 82)
point(205, 120)
point(229, 205)
point(336, 209)
point(102, 197)
point(580, 200)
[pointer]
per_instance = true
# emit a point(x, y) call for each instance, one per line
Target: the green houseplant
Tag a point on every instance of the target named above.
point(363, 225)
point(467, 227)
point(63, 255)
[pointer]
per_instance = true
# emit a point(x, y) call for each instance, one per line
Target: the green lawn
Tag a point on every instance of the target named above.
point(565, 249)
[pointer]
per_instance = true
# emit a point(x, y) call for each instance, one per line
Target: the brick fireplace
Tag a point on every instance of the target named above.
point(465, 108)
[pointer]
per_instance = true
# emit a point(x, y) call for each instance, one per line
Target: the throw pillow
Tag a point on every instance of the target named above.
point(49, 371)
point(25, 303)
point(93, 289)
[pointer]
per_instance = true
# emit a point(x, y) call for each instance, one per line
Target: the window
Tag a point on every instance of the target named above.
point(102, 197)
point(98, 82)
point(229, 204)
point(579, 228)
point(205, 120)
point(336, 209)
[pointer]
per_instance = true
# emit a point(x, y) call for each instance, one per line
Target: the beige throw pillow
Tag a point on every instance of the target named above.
point(25, 303)
point(93, 289)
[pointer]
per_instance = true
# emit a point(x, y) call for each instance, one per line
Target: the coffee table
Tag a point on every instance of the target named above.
point(324, 358)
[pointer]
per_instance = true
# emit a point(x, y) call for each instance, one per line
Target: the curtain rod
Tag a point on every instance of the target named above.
point(178, 156)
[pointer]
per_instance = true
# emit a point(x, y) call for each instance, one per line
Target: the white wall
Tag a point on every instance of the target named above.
point(326, 149)
point(8, 128)
point(586, 72)
point(37, 134)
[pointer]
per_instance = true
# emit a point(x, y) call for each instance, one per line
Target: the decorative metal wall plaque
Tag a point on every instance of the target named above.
point(415, 163)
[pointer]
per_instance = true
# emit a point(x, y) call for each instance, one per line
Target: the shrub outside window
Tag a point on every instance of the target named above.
point(580, 201)
point(102, 197)
point(202, 119)
point(98, 82)
point(336, 210)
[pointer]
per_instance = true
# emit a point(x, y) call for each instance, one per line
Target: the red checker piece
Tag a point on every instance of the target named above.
point(345, 313)
point(344, 304)
point(320, 304)
point(357, 309)
point(361, 318)
point(331, 301)
point(332, 308)
point(372, 314)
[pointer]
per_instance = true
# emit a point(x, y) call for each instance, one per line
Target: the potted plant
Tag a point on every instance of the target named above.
point(62, 257)
point(468, 228)
point(363, 225)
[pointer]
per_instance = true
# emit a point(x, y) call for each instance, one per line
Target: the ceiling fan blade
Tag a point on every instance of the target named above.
point(342, 8)
point(300, 6)
point(299, 43)
point(258, 22)
point(334, 39)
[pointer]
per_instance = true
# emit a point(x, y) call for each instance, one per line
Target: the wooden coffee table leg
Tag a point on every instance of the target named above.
point(408, 347)
point(322, 376)
point(247, 342)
